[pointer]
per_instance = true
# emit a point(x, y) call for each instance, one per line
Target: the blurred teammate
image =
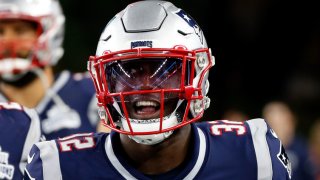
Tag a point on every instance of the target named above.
point(151, 75)
point(31, 36)
point(19, 130)
point(281, 118)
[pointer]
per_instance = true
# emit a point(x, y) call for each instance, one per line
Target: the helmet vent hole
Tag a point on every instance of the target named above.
point(183, 33)
point(106, 39)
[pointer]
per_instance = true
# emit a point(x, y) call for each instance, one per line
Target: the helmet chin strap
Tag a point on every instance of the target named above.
point(24, 78)
point(139, 125)
point(151, 139)
point(19, 80)
point(152, 125)
point(8, 65)
point(11, 78)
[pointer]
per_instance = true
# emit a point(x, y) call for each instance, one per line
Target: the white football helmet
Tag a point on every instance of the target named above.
point(151, 71)
point(47, 49)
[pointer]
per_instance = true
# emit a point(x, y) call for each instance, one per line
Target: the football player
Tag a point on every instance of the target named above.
point(31, 36)
point(19, 130)
point(151, 76)
point(282, 119)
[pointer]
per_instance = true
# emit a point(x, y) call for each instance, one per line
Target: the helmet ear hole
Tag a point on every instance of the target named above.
point(207, 85)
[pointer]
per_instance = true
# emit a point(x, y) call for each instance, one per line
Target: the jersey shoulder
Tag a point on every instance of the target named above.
point(17, 113)
point(72, 144)
point(19, 130)
point(60, 157)
point(67, 81)
point(83, 81)
point(251, 141)
point(15, 118)
point(234, 129)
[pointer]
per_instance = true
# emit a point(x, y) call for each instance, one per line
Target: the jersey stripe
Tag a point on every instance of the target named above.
point(33, 136)
point(259, 129)
point(115, 162)
point(51, 164)
point(201, 156)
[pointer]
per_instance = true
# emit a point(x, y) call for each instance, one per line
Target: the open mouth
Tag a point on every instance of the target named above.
point(146, 109)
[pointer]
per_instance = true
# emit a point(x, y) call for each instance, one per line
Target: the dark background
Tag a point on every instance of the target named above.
point(265, 50)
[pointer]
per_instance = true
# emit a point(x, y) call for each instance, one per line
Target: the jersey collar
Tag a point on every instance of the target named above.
point(189, 171)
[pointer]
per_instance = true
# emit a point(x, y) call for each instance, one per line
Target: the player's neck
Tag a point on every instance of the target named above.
point(158, 158)
point(31, 94)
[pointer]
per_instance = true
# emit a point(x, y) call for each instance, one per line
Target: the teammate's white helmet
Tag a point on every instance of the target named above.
point(47, 49)
point(151, 57)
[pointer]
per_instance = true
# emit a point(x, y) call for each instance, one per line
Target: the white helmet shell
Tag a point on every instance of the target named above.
point(159, 22)
point(155, 25)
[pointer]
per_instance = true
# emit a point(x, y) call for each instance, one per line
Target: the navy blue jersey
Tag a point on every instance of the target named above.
point(221, 150)
point(298, 153)
point(19, 130)
point(68, 107)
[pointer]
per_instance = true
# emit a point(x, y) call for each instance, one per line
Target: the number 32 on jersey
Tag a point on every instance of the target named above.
point(219, 127)
point(76, 142)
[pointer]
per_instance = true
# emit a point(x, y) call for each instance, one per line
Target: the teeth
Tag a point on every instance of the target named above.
point(146, 103)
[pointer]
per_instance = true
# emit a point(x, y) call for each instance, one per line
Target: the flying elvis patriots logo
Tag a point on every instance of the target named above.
point(283, 157)
point(192, 23)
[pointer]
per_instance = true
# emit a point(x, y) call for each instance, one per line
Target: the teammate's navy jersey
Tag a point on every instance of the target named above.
point(298, 153)
point(19, 130)
point(221, 150)
point(68, 107)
